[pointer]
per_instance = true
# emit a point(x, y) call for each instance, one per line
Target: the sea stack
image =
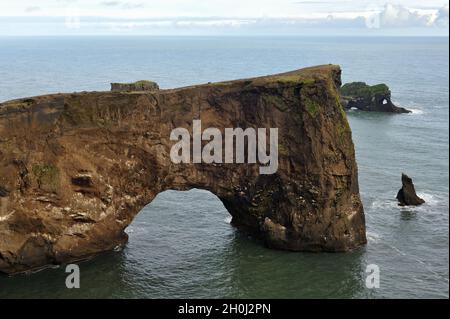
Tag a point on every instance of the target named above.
point(407, 196)
point(375, 98)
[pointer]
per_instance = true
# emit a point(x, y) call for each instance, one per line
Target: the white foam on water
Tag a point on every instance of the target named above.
point(228, 219)
point(136, 229)
point(412, 106)
point(373, 237)
point(384, 204)
point(429, 199)
point(416, 111)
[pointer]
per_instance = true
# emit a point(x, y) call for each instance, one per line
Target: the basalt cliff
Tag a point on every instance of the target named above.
point(76, 168)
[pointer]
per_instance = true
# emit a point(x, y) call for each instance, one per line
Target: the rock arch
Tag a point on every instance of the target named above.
point(76, 168)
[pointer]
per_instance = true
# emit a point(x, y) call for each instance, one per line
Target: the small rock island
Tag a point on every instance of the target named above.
point(375, 98)
point(407, 196)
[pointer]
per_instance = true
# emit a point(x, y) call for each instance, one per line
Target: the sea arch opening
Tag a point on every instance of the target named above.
point(181, 239)
point(181, 213)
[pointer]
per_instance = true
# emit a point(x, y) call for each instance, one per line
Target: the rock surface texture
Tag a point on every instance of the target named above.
point(75, 169)
point(407, 196)
point(376, 98)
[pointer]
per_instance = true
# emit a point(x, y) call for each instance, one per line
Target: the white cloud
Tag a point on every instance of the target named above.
point(399, 16)
point(32, 9)
point(224, 16)
point(442, 17)
point(126, 5)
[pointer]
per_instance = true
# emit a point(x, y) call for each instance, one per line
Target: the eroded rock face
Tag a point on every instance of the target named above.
point(75, 169)
point(407, 194)
point(375, 98)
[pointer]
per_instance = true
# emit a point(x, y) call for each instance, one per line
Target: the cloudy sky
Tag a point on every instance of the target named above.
point(210, 17)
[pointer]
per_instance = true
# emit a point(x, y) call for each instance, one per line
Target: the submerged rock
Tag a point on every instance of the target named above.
point(376, 98)
point(407, 196)
point(79, 167)
point(136, 86)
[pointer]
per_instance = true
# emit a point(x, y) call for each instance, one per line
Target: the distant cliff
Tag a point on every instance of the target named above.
point(376, 98)
point(75, 169)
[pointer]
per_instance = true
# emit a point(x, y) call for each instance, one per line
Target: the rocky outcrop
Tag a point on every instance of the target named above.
point(75, 169)
point(407, 196)
point(376, 98)
point(3, 192)
point(136, 86)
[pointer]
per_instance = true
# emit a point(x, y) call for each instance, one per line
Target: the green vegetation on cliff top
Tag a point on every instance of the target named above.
point(361, 89)
point(143, 82)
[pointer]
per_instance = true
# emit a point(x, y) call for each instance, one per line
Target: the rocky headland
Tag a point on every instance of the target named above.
point(76, 168)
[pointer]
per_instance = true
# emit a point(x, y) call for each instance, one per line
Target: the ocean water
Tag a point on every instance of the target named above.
point(182, 245)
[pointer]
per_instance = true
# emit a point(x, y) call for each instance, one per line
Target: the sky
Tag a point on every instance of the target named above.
point(224, 17)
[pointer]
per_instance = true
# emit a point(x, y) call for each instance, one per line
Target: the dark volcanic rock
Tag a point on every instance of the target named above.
point(79, 167)
point(376, 98)
point(3, 192)
point(407, 194)
point(136, 86)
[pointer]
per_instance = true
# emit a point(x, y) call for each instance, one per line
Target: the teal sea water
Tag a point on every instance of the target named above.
point(182, 245)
